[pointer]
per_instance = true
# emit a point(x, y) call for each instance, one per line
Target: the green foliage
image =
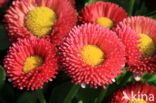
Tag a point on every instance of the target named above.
point(149, 78)
point(123, 3)
point(7, 94)
point(4, 42)
point(27, 97)
point(2, 76)
point(88, 95)
point(60, 91)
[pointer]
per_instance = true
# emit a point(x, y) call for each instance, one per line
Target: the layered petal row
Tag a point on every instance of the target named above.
point(30, 63)
point(92, 54)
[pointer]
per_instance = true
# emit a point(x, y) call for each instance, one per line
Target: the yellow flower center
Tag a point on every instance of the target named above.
point(104, 21)
point(147, 45)
point(137, 101)
point(40, 20)
point(31, 63)
point(92, 55)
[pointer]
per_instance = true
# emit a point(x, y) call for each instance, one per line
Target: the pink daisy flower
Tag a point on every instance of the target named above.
point(30, 63)
point(135, 93)
point(104, 13)
point(41, 18)
point(141, 35)
point(92, 54)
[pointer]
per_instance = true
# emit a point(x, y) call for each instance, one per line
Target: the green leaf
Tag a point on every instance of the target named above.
point(88, 95)
point(131, 7)
point(153, 16)
point(2, 76)
point(106, 93)
point(90, 1)
point(124, 77)
point(59, 92)
point(121, 80)
point(141, 9)
point(27, 97)
point(4, 42)
point(149, 78)
point(41, 96)
point(80, 101)
point(71, 94)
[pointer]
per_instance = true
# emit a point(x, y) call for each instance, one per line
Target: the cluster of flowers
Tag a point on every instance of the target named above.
point(44, 38)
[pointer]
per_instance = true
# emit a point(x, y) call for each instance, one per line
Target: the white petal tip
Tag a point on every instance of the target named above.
point(137, 77)
point(83, 85)
point(113, 80)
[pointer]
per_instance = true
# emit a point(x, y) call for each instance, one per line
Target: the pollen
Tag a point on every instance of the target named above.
point(40, 20)
point(147, 45)
point(92, 55)
point(31, 63)
point(104, 21)
point(137, 101)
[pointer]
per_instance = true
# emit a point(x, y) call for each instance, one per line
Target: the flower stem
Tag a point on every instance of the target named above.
point(41, 96)
point(130, 11)
point(101, 96)
point(73, 91)
point(111, 88)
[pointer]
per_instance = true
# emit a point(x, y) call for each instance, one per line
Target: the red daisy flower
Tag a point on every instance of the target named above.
point(135, 93)
point(104, 13)
point(144, 43)
point(30, 63)
point(92, 54)
point(130, 39)
point(40, 18)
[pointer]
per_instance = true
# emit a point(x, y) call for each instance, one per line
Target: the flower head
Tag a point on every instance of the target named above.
point(30, 63)
point(140, 41)
point(41, 18)
point(135, 93)
point(92, 54)
point(130, 39)
point(104, 13)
